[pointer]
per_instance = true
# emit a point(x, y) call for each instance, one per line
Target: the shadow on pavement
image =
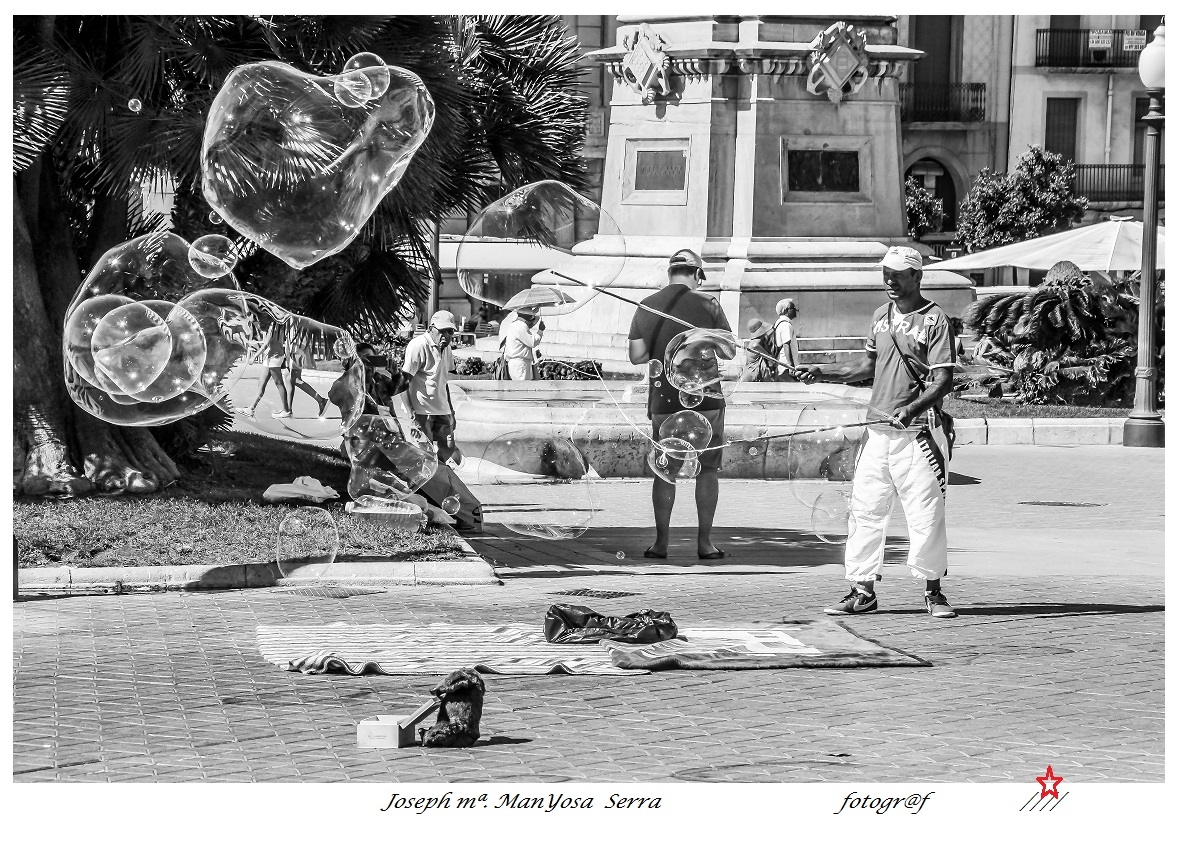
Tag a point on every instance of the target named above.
point(756, 550)
point(1048, 609)
point(956, 479)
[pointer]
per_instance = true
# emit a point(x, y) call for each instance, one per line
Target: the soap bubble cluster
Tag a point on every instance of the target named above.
point(297, 163)
point(545, 237)
point(307, 544)
point(536, 483)
point(146, 341)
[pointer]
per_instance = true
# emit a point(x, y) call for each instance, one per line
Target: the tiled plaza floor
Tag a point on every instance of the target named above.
point(1045, 664)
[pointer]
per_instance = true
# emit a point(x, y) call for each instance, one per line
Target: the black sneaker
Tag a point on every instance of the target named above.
point(938, 605)
point(854, 603)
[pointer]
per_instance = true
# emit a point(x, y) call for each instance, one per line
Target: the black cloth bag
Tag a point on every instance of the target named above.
point(581, 625)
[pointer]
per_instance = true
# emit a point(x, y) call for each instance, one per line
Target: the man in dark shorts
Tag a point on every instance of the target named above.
point(649, 336)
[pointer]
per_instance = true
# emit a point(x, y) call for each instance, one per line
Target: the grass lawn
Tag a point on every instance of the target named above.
point(213, 515)
point(994, 408)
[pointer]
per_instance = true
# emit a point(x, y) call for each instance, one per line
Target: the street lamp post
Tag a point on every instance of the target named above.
point(1144, 428)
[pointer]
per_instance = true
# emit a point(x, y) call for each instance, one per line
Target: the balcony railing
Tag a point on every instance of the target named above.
point(1115, 182)
point(961, 103)
point(1078, 48)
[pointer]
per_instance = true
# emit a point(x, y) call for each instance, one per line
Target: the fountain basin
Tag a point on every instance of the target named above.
point(609, 424)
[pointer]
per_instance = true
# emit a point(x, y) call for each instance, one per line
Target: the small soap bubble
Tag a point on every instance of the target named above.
point(212, 255)
point(215, 218)
point(451, 504)
point(373, 68)
point(673, 459)
point(832, 518)
point(135, 105)
point(688, 425)
point(690, 399)
point(656, 368)
point(754, 451)
point(692, 362)
point(353, 89)
point(620, 555)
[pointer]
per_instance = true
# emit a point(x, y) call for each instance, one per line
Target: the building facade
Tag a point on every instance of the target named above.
point(1075, 91)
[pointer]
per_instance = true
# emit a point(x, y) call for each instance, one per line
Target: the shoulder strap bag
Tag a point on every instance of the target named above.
point(942, 418)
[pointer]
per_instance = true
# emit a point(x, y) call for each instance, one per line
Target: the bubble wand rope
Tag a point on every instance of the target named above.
point(744, 343)
point(886, 417)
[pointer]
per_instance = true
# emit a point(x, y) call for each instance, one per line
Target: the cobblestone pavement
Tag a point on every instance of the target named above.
point(1044, 665)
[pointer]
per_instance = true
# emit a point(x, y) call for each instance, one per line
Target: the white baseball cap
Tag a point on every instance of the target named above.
point(900, 258)
point(442, 320)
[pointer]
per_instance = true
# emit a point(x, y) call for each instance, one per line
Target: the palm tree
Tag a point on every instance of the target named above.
point(507, 113)
point(1071, 340)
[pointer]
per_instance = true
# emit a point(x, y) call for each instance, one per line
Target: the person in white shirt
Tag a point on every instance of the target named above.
point(785, 337)
point(519, 338)
point(428, 364)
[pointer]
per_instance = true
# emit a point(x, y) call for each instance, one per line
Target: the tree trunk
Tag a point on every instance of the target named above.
point(41, 458)
point(46, 457)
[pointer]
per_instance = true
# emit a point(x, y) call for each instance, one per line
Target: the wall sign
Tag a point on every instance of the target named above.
point(1100, 39)
point(1134, 39)
point(660, 169)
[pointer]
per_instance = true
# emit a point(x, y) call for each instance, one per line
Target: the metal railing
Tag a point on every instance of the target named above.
point(1072, 48)
point(964, 102)
point(1115, 182)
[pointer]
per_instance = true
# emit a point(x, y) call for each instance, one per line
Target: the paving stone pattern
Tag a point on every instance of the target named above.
point(1036, 671)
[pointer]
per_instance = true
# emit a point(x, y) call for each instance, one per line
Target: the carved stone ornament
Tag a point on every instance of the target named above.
point(839, 62)
point(646, 67)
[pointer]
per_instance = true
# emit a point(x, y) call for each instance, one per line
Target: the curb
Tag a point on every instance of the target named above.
point(1090, 431)
point(469, 569)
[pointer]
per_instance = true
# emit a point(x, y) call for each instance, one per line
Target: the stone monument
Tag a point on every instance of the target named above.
point(771, 146)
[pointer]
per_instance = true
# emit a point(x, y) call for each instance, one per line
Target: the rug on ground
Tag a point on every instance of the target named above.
point(520, 649)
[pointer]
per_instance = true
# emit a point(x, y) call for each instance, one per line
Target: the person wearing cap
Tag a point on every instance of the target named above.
point(762, 339)
point(518, 339)
point(428, 364)
point(785, 337)
point(911, 355)
point(650, 333)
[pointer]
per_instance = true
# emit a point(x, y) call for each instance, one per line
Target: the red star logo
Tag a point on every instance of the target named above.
point(1050, 784)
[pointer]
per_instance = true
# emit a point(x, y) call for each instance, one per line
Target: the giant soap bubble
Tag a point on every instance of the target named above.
point(536, 483)
point(307, 544)
point(298, 163)
point(545, 237)
point(384, 463)
point(146, 342)
point(826, 447)
point(701, 362)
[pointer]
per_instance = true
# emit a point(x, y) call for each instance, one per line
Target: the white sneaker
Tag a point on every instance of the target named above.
point(246, 411)
point(283, 414)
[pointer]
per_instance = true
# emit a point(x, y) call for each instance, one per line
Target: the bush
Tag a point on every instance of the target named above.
point(1037, 198)
point(564, 370)
point(470, 367)
point(924, 212)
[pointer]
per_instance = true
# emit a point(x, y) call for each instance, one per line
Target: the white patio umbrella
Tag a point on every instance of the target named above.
point(1113, 246)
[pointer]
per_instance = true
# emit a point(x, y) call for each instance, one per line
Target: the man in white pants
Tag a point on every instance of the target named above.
point(910, 353)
